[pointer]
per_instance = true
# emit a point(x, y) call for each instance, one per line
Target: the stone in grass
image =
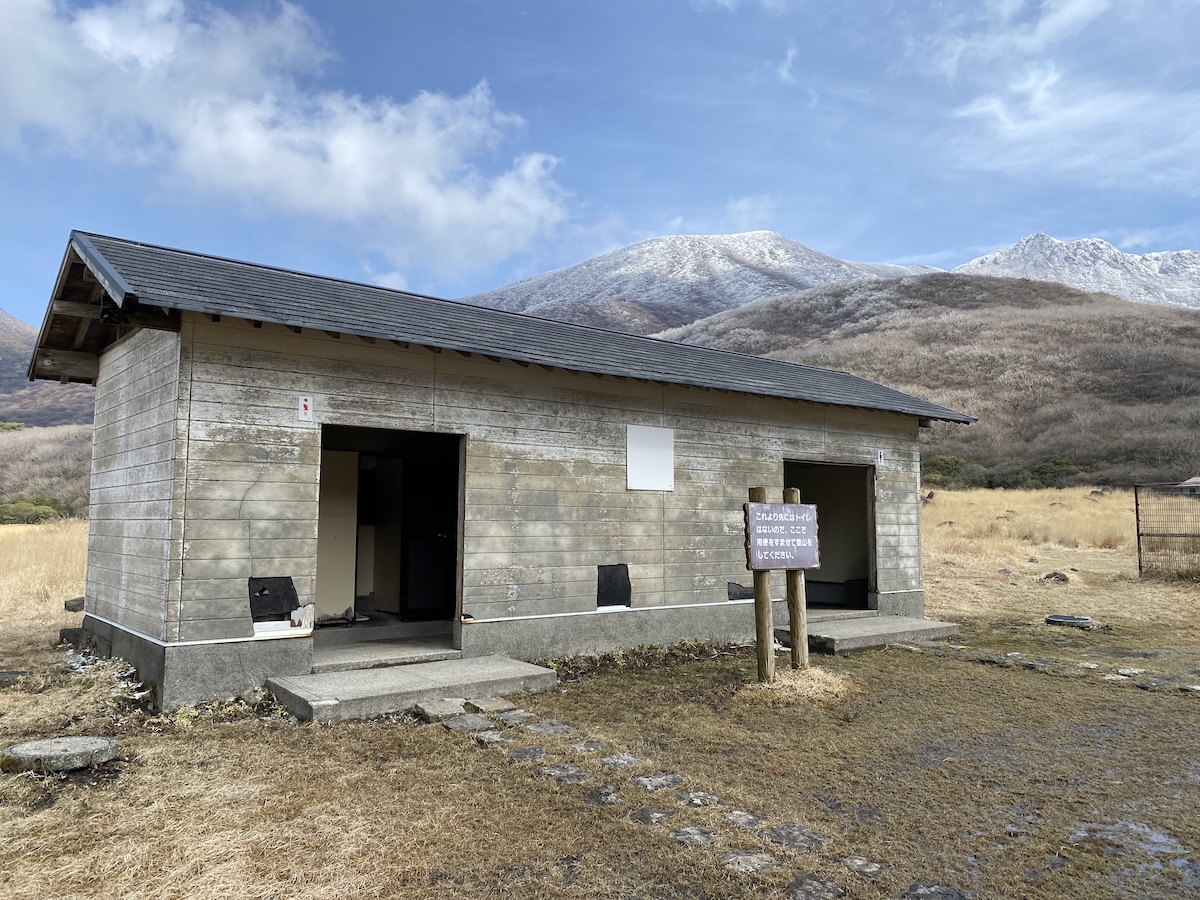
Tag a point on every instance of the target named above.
point(749, 863)
point(807, 886)
point(605, 795)
point(489, 705)
point(8, 679)
point(743, 819)
point(75, 604)
point(528, 754)
point(795, 836)
point(564, 773)
point(469, 722)
point(1160, 684)
point(923, 890)
point(1111, 677)
point(439, 710)
point(620, 761)
point(860, 865)
point(701, 798)
point(548, 728)
point(649, 815)
point(1190, 688)
point(515, 717)
point(1131, 673)
point(61, 754)
point(658, 781)
point(72, 636)
point(589, 746)
point(491, 738)
point(694, 836)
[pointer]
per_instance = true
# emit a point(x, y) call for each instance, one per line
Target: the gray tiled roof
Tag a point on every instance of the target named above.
point(175, 279)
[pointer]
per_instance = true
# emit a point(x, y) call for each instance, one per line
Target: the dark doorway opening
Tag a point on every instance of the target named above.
point(390, 525)
point(844, 497)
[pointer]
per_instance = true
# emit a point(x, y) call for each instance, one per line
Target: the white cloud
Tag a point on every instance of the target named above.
point(1068, 89)
point(211, 102)
point(749, 213)
point(784, 71)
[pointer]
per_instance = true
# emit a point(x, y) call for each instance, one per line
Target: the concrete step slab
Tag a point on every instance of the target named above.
point(849, 635)
point(363, 693)
point(377, 654)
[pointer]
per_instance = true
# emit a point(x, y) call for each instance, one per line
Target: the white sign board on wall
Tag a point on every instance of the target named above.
point(650, 458)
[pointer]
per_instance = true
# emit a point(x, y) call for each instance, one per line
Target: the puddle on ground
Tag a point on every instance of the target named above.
point(1163, 849)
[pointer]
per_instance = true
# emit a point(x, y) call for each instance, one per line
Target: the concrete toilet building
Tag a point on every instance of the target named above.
point(273, 447)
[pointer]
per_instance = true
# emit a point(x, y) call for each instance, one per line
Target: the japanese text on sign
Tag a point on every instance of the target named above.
point(781, 536)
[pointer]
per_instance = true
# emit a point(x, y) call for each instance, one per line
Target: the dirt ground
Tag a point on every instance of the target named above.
point(995, 779)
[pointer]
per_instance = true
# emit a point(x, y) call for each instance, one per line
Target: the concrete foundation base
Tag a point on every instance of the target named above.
point(613, 629)
point(182, 674)
point(899, 603)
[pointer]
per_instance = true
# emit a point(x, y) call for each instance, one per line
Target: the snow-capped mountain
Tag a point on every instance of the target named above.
point(1171, 277)
point(669, 281)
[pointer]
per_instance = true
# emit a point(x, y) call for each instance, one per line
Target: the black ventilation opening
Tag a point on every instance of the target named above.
point(612, 585)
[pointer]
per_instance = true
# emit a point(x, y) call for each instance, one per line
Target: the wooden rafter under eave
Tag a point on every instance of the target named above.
point(71, 364)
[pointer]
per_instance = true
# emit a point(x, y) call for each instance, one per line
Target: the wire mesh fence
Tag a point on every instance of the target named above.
point(1168, 527)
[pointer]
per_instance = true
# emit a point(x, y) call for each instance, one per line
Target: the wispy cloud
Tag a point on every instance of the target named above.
point(784, 71)
point(749, 213)
point(212, 102)
point(1067, 89)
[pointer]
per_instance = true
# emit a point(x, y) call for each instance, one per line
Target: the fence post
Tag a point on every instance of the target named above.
point(797, 603)
point(764, 631)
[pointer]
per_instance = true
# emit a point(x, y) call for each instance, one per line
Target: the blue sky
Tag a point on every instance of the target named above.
point(452, 147)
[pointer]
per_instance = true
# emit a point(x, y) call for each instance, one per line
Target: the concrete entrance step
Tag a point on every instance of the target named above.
point(363, 693)
point(827, 614)
point(848, 635)
point(378, 654)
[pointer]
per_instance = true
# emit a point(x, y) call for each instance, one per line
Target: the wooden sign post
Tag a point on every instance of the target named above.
point(780, 536)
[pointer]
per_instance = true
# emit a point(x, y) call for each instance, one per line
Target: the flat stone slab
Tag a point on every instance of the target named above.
point(548, 728)
point(807, 886)
point(620, 761)
point(528, 754)
point(489, 705)
point(365, 693)
point(469, 722)
point(658, 781)
point(928, 891)
point(491, 738)
point(61, 754)
point(605, 795)
point(848, 635)
point(649, 815)
point(8, 679)
point(564, 773)
point(743, 819)
point(590, 746)
point(75, 604)
point(860, 865)
point(701, 798)
point(694, 836)
point(795, 836)
point(438, 710)
point(515, 717)
point(749, 863)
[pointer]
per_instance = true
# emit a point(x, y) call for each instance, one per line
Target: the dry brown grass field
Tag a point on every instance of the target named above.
point(999, 780)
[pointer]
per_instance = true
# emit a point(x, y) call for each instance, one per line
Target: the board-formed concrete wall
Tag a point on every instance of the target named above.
point(132, 516)
point(545, 490)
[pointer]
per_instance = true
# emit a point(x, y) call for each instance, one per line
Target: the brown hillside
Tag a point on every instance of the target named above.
point(1068, 386)
point(39, 402)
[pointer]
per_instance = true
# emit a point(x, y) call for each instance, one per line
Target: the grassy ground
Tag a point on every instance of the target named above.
point(1006, 782)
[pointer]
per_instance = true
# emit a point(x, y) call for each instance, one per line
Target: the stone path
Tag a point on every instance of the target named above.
point(1053, 665)
point(629, 785)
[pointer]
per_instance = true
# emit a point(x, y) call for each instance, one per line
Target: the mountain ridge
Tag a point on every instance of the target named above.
point(1167, 277)
point(669, 281)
